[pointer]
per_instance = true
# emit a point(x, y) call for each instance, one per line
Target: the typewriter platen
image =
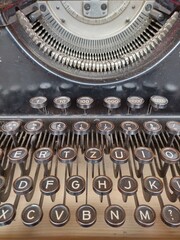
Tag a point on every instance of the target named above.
point(90, 119)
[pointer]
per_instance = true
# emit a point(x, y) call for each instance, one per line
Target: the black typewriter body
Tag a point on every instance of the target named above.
point(89, 151)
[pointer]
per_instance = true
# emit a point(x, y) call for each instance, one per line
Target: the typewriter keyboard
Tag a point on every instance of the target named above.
point(104, 177)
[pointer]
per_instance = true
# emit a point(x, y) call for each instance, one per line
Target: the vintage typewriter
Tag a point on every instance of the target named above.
point(90, 119)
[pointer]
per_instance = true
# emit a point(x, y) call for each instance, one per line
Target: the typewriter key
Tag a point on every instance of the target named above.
point(175, 185)
point(62, 103)
point(173, 128)
point(85, 103)
point(86, 215)
point(39, 103)
point(12, 128)
point(23, 185)
point(112, 103)
point(67, 155)
point(157, 102)
point(59, 215)
point(49, 185)
point(32, 215)
point(105, 127)
point(7, 214)
point(143, 156)
point(145, 216)
point(153, 186)
point(57, 128)
point(169, 156)
point(170, 215)
point(93, 155)
point(33, 127)
point(43, 155)
point(81, 128)
point(75, 185)
point(18, 155)
point(114, 216)
point(129, 128)
point(152, 128)
point(102, 185)
point(119, 155)
point(128, 186)
point(134, 103)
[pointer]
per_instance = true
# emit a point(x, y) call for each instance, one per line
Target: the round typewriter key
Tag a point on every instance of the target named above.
point(33, 127)
point(75, 185)
point(135, 102)
point(86, 215)
point(59, 215)
point(102, 185)
point(175, 185)
point(112, 103)
point(143, 155)
point(7, 214)
point(81, 128)
point(129, 128)
point(49, 185)
point(57, 128)
point(128, 186)
point(170, 215)
point(23, 185)
point(43, 155)
point(114, 216)
point(119, 155)
point(170, 155)
point(173, 127)
point(105, 127)
point(153, 186)
point(38, 102)
point(67, 155)
point(145, 216)
point(62, 102)
point(32, 215)
point(158, 102)
point(85, 103)
point(152, 127)
point(18, 155)
point(11, 128)
point(93, 155)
